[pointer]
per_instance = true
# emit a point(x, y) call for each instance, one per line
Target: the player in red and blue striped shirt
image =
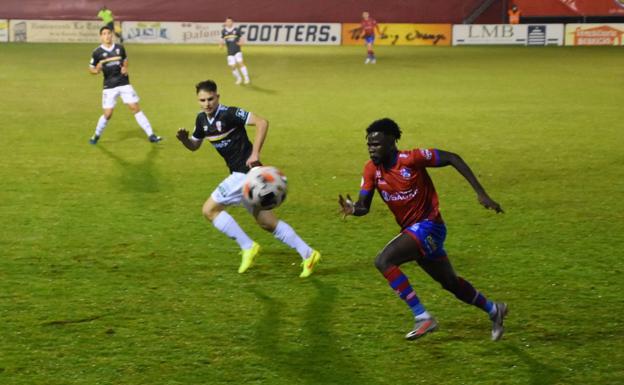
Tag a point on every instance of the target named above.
point(368, 26)
point(402, 180)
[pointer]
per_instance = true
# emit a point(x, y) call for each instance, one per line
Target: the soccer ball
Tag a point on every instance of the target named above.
point(264, 188)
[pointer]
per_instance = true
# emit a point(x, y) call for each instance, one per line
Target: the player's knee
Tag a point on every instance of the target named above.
point(134, 108)
point(210, 211)
point(382, 262)
point(108, 114)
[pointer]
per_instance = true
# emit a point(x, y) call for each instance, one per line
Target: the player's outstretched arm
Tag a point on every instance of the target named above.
point(95, 69)
point(359, 208)
point(262, 127)
point(448, 158)
point(183, 136)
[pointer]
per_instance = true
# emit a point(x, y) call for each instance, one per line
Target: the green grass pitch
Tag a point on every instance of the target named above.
point(109, 274)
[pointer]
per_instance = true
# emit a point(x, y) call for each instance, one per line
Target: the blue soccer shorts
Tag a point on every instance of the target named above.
point(430, 237)
point(369, 39)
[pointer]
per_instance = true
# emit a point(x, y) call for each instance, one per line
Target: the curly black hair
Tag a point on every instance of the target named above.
point(386, 126)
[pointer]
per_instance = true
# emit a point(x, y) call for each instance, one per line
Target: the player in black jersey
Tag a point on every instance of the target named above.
point(110, 59)
point(232, 37)
point(224, 127)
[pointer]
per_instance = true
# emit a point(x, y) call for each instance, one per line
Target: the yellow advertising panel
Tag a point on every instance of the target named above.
point(400, 34)
point(594, 34)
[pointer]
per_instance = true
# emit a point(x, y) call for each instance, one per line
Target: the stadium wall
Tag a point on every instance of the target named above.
point(324, 11)
point(545, 8)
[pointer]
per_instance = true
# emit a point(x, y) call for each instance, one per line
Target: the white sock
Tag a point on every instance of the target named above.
point(144, 123)
point(423, 315)
point(228, 226)
point(286, 234)
point(243, 70)
point(101, 125)
point(236, 74)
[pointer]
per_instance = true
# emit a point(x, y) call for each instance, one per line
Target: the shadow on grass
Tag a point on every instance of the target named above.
point(540, 373)
point(318, 359)
point(136, 177)
point(263, 90)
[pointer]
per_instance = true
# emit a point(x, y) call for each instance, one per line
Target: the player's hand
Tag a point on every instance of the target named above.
point(347, 207)
point(124, 71)
point(182, 134)
point(98, 67)
point(489, 203)
point(253, 161)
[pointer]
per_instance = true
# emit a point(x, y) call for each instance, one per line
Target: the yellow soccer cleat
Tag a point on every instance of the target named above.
point(310, 263)
point(248, 256)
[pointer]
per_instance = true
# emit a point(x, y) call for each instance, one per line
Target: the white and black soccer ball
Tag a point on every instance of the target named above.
point(265, 188)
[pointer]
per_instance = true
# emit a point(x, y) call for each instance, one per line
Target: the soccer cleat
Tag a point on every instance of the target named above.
point(373, 61)
point(248, 256)
point(247, 81)
point(422, 327)
point(368, 60)
point(94, 139)
point(238, 81)
point(497, 321)
point(309, 264)
point(154, 138)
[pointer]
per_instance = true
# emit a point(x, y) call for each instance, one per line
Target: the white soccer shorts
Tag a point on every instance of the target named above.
point(230, 190)
point(127, 93)
point(236, 58)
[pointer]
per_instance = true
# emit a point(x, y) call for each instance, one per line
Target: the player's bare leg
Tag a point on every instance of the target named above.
point(143, 122)
point(282, 231)
point(399, 250)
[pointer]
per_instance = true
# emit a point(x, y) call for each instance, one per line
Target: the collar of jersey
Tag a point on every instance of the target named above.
point(220, 108)
point(108, 50)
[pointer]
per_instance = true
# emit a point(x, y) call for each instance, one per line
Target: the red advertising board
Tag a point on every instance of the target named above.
point(570, 7)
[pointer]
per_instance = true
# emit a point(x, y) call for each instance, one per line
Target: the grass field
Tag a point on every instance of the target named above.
point(109, 274)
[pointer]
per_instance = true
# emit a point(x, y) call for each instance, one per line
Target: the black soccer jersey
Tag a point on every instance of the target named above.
point(226, 131)
point(231, 38)
point(112, 59)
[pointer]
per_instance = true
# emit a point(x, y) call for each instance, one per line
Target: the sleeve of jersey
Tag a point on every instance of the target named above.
point(240, 116)
point(368, 179)
point(425, 157)
point(198, 133)
point(94, 60)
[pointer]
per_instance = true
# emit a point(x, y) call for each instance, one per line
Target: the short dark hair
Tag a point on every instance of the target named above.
point(206, 85)
point(386, 126)
point(105, 27)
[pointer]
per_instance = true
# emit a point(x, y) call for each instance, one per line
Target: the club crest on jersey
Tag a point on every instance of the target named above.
point(105, 54)
point(426, 154)
point(241, 113)
point(405, 173)
point(117, 51)
point(219, 126)
point(377, 174)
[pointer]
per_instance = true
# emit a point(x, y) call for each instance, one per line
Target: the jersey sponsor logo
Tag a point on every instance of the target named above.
point(241, 113)
point(222, 144)
point(426, 154)
point(406, 172)
point(403, 155)
point(399, 196)
point(219, 126)
point(377, 174)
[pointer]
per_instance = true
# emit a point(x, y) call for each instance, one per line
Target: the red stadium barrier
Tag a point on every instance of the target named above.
point(570, 7)
point(388, 11)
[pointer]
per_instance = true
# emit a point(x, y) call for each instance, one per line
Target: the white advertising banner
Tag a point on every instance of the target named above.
point(4, 30)
point(54, 31)
point(594, 34)
point(508, 34)
point(171, 32)
point(292, 33)
point(210, 33)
